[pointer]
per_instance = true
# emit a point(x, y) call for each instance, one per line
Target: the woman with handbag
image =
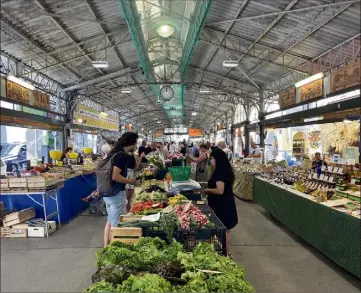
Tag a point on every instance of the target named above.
point(202, 164)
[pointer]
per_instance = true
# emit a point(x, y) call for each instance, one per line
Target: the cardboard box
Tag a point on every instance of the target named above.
point(39, 231)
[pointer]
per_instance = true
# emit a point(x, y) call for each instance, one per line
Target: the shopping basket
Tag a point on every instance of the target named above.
point(180, 173)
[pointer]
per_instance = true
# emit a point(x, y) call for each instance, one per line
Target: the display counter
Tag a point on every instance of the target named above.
point(69, 198)
point(336, 234)
point(243, 185)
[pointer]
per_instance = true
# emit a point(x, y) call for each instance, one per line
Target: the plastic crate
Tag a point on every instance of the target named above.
point(154, 231)
point(180, 173)
point(216, 235)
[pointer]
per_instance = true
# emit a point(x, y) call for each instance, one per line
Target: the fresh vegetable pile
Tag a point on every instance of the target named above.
point(190, 216)
point(156, 160)
point(175, 200)
point(150, 265)
point(147, 207)
point(155, 196)
point(147, 172)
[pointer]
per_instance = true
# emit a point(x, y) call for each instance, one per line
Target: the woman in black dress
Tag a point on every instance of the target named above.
point(220, 193)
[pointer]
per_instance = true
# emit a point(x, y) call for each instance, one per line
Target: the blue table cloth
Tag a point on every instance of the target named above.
point(69, 199)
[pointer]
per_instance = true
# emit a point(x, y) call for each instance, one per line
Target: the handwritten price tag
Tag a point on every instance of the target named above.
point(323, 168)
point(330, 179)
point(314, 176)
point(322, 176)
point(335, 169)
point(329, 168)
point(340, 170)
point(353, 181)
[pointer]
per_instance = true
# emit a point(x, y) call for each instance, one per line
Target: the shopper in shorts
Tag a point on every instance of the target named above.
point(116, 203)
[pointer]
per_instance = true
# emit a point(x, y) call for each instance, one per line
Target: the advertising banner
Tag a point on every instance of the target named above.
point(21, 94)
point(311, 90)
point(346, 76)
point(287, 97)
point(195, 132)
point(84, 115)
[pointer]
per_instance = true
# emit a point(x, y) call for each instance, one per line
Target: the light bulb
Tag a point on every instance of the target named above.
point(165, 30)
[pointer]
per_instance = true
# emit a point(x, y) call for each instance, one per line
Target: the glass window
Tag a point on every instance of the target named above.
point(19, 144)
point(85, 140)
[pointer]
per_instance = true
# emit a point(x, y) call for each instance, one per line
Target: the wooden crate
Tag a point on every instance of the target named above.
point(4, 184)
point(18, 183)
point(19, 231)
point(125, 235)
point(18, 217)
point(4, 232)
point(130, 218)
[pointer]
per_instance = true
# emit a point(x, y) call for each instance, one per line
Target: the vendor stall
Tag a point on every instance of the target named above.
point(68, 203)
point(334, 233)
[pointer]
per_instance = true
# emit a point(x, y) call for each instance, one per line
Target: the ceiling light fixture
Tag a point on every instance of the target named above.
point(126, 91)
point(100, 64)
point(103, 114)
point(194, 113)
point(230, 63)
point(309, 79)
point(159, 122)
point(165, 30)
point(204, 91)
point(21, 82)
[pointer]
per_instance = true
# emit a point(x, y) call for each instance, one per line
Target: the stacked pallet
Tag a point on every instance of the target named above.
point(13, 224)
point(31, 183)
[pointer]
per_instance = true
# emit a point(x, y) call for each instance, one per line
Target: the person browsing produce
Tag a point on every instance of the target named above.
point(202, 164)
point(220, 193)
point(113, 189)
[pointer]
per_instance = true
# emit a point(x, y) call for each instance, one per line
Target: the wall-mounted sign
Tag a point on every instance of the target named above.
point(346, 76)
point(315, 139)
point(195, 132)
point(176, 130)
point(311, 90)
point(17, 92)
point(287, 97)
point(84, 115)
point(23, 95)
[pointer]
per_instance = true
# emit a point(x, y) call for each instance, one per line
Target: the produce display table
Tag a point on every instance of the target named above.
point(68, 204)
point(334, 233)
point(243, 185)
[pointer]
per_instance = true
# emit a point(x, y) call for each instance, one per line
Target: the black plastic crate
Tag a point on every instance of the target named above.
point(216, 235)
point(154, 231)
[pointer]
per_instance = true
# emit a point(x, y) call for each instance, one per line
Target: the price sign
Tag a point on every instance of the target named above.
point(353, 181)
point(325, 178)
point(335, 169)
point(314, 176)
point(340, 170)
point(330, 179)
point(329, 168)
point(323, 168)
point(322, 176)
point(310, 176)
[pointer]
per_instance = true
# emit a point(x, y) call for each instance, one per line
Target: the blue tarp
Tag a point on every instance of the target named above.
point(69, 199)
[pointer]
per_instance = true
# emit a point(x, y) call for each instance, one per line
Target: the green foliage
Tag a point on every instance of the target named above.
point(146, 283)
point(100, 287)
point(121, 266)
